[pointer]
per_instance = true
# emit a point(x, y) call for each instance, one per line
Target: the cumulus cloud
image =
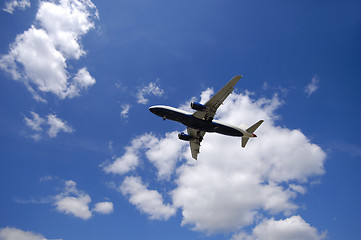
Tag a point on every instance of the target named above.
point(14, 4)
point(165, 153)
point(9, 233)
point(162, 153)
point(130, 159)
point(104, 207)
point(147, 201)
point(74, 202)
point(291, 228)
point(151, 89)
point(312, 86)
point(78, 206)
point(38, 56)
point(71, 201)
point(52, 122)
point(227, 187)
point(230, 187)
point(81, 81)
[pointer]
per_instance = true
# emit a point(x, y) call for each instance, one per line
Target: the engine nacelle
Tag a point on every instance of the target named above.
point(198, 106)
point(184, 137)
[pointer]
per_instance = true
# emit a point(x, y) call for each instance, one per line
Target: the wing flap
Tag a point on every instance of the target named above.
point(195, 146)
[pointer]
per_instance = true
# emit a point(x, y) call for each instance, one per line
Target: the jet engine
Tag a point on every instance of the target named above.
point(184, 137)
point(198, 106)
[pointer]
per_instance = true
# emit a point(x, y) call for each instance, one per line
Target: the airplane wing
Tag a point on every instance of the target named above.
point(216, 100)
point(195, 143)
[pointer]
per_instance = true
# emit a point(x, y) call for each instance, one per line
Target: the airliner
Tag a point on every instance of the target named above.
point(201, 121)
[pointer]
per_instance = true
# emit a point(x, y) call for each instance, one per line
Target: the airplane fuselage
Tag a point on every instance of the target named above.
point(189, 120)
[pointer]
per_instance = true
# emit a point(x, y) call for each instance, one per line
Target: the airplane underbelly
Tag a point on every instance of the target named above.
point(226, 130)
point(199, 124)
point(209, 126)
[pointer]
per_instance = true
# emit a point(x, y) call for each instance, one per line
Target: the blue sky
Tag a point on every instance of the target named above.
point(83, 158)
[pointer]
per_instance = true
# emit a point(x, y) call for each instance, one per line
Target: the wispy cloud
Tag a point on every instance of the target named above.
point(38, 57)
point(11, 6)
point(312, 86)
point(346, 148)
point(57, 125)
point(35, 123)
point(52, 122)
point(125, 110)
point(110, 146)
point(151, 89)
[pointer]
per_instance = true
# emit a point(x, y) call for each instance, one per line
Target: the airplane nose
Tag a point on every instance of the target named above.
point(154, 110)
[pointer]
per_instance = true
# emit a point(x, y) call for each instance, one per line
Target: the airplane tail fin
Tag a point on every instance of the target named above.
point(251, 130)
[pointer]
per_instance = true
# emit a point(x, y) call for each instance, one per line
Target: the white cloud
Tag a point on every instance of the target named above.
point(81, 81)
point(291, 228)
point(151, 89)
point(9, 233)
point(38, 56)
point(35, 123)
point(125, 110)
point(130, 159)
point(74, 202)
point(229, 187)
point(312, 86)
point(12, 5)
point(205, 95)
point(67, 21)
point(78, 206)
point(162, 153)
point(165, 153)
point(54, 124)
point(104, 207)
point(147, 201)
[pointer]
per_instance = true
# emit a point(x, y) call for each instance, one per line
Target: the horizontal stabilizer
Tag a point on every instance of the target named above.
point(254, 127)
point(244, 141)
